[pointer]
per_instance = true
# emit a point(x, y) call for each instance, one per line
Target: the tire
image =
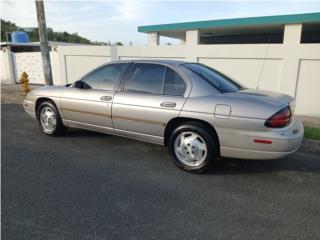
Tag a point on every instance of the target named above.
point(192, 148)
point(49, 119)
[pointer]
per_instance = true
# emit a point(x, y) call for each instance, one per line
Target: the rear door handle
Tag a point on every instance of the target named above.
point(168, 104)
point(106, 98)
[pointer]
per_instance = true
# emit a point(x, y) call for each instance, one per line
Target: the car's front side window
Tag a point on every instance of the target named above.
point(105, 77)
point(146, 78)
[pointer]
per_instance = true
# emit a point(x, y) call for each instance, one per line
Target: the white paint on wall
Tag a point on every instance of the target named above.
point(6, 70)
point(249, 71)
point(31, 63)
point(276, 64)
point(153, 39)
point(76, 61)
point(292, 33)
point(192, 37)
point(5, 77)
point(54, 67)
point(308, 88)
point(75, 72)
point(150, 58)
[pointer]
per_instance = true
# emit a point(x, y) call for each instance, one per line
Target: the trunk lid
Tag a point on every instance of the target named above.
point(252, 103)
point(265, 95)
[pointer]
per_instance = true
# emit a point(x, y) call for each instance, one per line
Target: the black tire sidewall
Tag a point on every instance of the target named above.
point(59, 126)
point(212, 146)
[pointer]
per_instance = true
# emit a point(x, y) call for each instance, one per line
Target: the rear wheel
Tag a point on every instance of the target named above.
point(49, 119)
point(192, 148)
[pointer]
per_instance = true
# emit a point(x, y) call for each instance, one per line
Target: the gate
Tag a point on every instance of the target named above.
point(31, 63)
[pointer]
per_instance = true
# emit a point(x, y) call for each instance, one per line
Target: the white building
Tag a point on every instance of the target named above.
point(297, 28)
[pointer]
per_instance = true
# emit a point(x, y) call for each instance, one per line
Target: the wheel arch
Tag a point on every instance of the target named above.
point(41, 100)
point(175, 122)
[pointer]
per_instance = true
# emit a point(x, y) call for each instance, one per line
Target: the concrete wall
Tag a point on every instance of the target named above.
point(31, 63)
point(74, 62)
point(14, 64)
point(290, 68)
point(6, 68)
point(308, 88)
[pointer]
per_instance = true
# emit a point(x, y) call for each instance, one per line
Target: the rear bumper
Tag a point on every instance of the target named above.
point(240, 144)
point(252, 154)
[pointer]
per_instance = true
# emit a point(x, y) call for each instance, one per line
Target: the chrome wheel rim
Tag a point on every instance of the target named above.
point(190, 148)
point(48, 119)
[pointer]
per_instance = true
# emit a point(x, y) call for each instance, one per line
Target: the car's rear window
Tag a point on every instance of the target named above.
point(216, 79)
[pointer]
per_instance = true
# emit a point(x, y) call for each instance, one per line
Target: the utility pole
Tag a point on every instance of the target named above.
point(44, 46)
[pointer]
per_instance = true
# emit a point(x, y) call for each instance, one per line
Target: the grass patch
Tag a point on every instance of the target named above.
point(312, 133)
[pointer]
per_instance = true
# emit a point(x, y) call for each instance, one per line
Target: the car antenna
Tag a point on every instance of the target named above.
point(263, 62)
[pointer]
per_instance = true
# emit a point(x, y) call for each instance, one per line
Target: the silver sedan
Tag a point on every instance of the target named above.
point(199, 113)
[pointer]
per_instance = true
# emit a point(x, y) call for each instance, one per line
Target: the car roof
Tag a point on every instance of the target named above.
point(157, 61)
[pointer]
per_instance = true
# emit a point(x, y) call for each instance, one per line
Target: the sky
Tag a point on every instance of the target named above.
point(118, 20)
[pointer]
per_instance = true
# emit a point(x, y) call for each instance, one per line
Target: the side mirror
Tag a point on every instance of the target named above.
point(81, 85)
point(78, 84)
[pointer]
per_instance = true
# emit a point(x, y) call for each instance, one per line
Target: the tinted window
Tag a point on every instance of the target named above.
point(219, 81)
point(174, 84)
point(105, 78)
point(146, 78)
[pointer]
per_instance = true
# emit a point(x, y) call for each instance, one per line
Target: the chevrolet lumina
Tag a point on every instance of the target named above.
point(197, 112)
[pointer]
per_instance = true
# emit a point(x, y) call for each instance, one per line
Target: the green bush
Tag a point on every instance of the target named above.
point(312, 133)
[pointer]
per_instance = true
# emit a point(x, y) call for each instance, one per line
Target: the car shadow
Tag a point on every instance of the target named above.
point(295, 162)
point(307, 159)
point(78, 133)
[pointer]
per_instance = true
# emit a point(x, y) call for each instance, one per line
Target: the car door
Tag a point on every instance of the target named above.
point(151, 95)
point(91, 107)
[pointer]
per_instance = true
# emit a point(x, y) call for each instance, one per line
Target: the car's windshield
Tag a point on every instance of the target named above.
point(216, 79)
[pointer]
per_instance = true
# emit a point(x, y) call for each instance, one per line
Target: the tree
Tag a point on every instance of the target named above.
point(7, 26)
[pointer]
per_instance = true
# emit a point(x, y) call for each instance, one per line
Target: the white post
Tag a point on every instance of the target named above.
point(192, 37)
point(153, 39)
point(114, 52)
point(7, 68)
point(183, 39)
point(292, 33)
point(291, 62)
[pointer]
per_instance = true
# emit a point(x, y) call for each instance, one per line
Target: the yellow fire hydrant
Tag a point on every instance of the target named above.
point(24, 80)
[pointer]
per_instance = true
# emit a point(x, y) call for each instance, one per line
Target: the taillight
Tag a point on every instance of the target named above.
point(279, 119)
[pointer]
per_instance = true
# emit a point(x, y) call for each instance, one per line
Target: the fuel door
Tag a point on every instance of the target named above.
point(222, 111)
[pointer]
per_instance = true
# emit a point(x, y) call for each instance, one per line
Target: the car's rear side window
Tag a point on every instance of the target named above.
point(174, 84)
point(216, 79)
point(146, 78)
point(105, 77)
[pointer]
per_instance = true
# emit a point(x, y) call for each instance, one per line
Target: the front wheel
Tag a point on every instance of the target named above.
point(49, 119)
point(192, 148)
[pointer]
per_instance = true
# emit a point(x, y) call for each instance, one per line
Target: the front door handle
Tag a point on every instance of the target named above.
point(168, 104)
point(106, 98)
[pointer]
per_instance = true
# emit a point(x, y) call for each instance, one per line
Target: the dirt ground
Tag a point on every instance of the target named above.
point(13, 93)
